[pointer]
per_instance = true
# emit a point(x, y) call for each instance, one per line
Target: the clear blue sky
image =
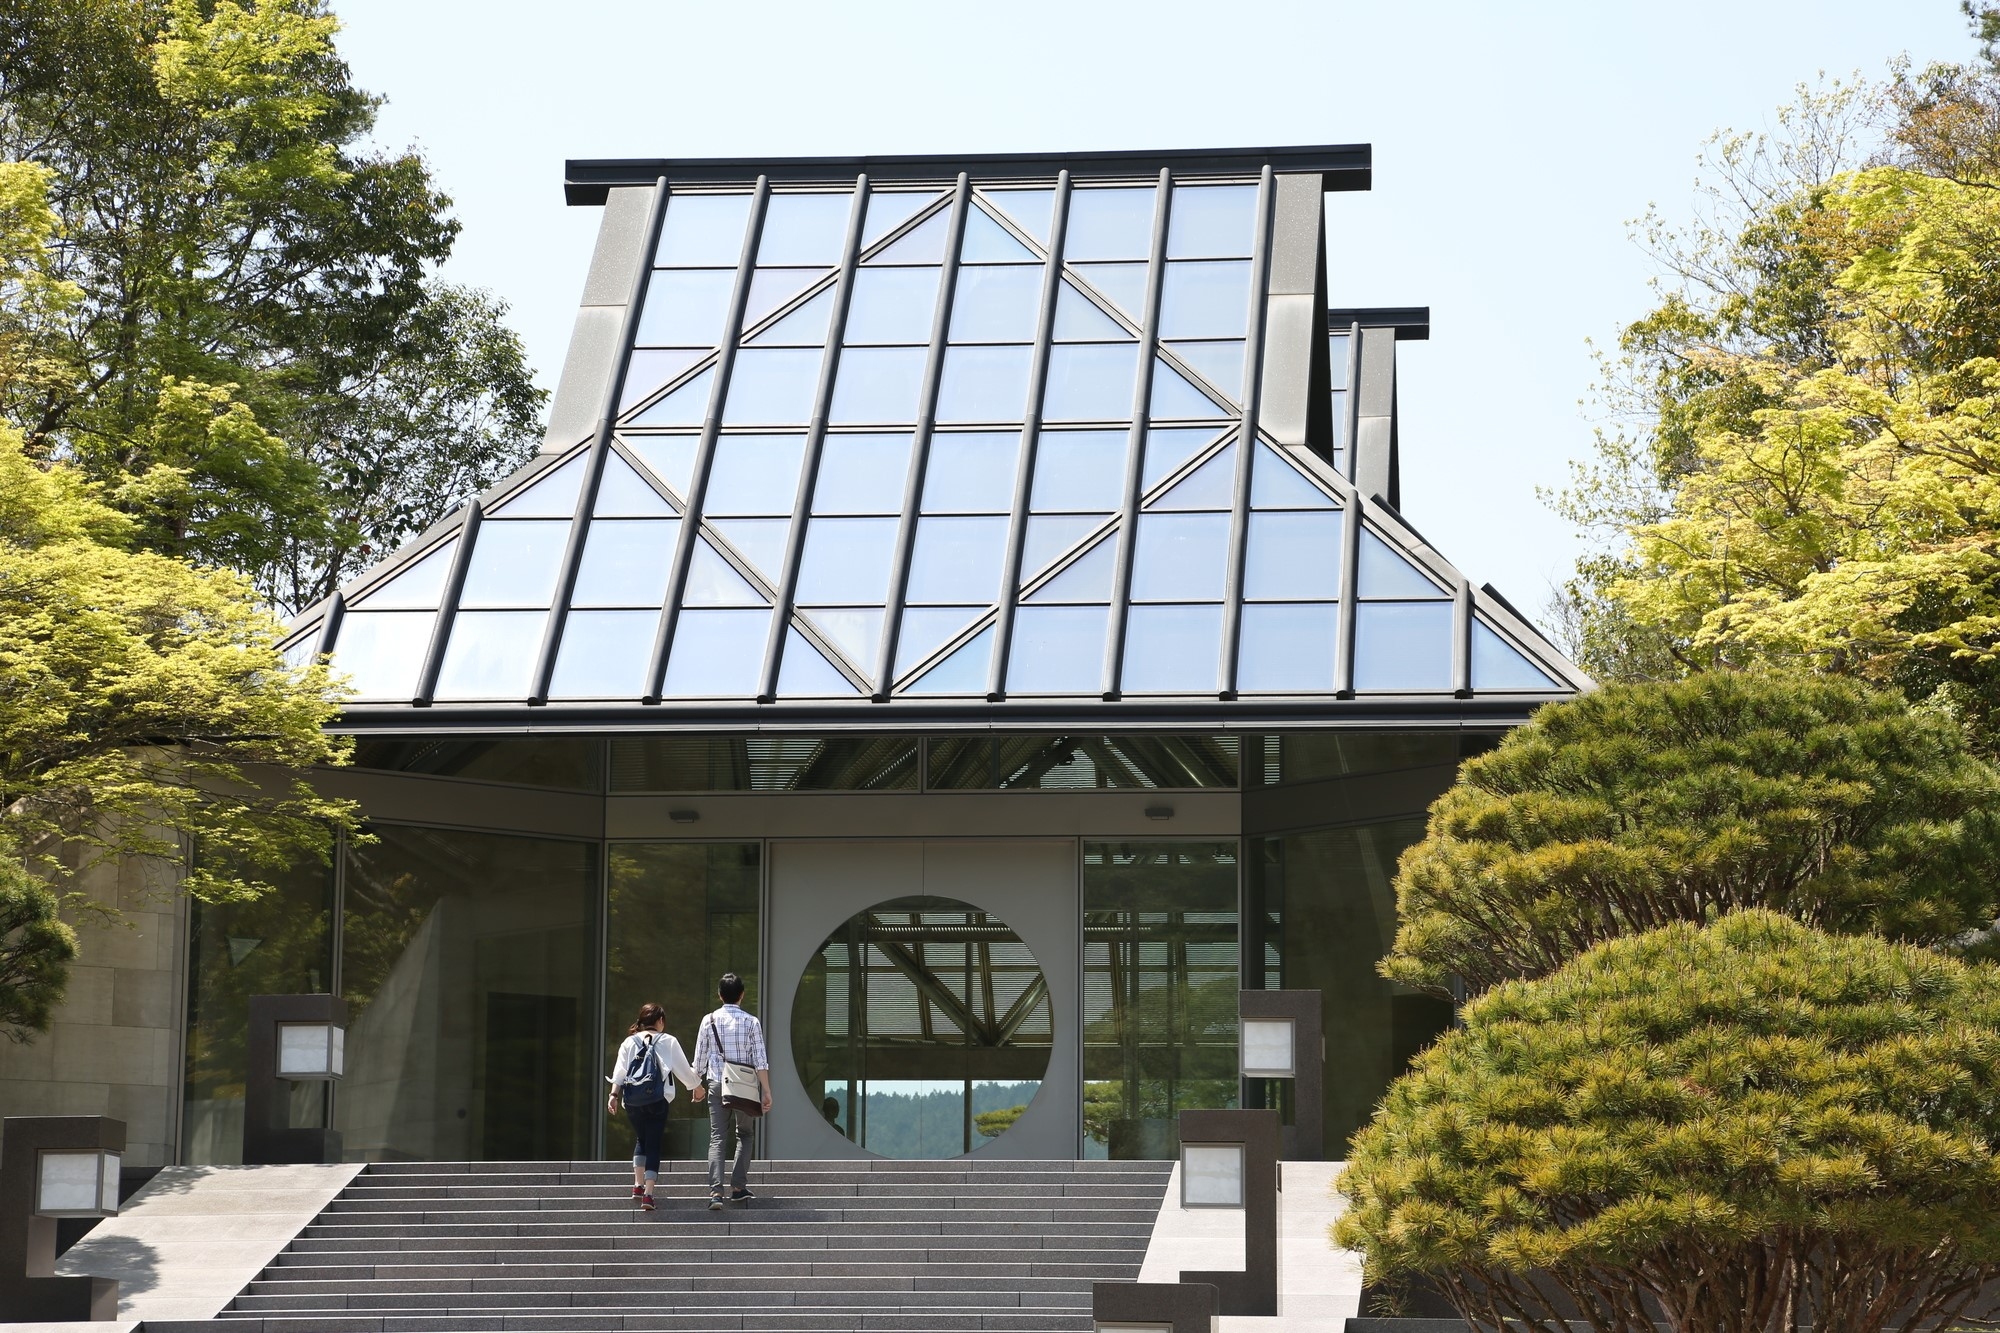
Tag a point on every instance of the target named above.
point(1513, 143)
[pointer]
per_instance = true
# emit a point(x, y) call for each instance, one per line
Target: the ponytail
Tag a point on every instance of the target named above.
point(649, 1014)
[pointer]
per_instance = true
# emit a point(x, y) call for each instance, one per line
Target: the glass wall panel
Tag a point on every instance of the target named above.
point(685, 307)
point(1160, 976)
point(1211, 221)
point(762, 763)
point(890, 209)
point(804, 229)
point(1110, 224)
point(971, 472)
point(280, 944)
point(754, 474)
point(1172, 649)
point(626, 562)
point(681, 914)
point(604, 655)
point(1313, 756)
point(1205, 300)
point(1090, 382)
point(418, 586)
point(1402, 646)
point(515, 563)
point(382, 652)
point(1029, 209)
point(861, 474)
point(1078, 319)
point(668, 457)
point(892, 305)
point(996, 304)
point(772, 386)
point(1293, 557)
point(1181, 557)
point(717, 654)
point(703, 229)
point(1079, 471)
point(491, 654)
point(467, 965)
point(846, 561)
point(984, 384)
point(1057, 650)
point(1072, 763)
point(565, 763)
point(1124, 284)
point(1287, 647)
point(878, 385)
point(957, 560)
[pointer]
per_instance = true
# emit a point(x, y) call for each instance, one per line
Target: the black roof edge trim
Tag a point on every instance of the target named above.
point(1412, 323)
point(587, 181)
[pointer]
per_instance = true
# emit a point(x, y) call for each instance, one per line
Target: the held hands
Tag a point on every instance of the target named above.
point(698, 1091)
point(611, 1103)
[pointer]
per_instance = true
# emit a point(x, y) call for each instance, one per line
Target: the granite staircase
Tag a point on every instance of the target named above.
point(828, 1245)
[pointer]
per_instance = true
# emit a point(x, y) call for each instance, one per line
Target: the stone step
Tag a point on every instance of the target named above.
point(760, 1319)
point(669, 1223)
point(521, 1263)
point(741, 1278)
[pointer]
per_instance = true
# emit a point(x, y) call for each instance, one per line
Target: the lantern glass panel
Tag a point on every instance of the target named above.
point(1212, 1175)
point(1268, 1048)
point(309, 1050)
point(77, 1183)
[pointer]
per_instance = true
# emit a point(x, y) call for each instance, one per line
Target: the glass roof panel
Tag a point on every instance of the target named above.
point(1079, 470)
point(754, 474)
point(418, 587)
point(995, 303)
point(1027, 209)
point(773, 287)
point(685, 406)
point(1276, 484)
point(703, 229)
point(1123, 284)
point(1220, 363)
point(492, 655)
point(1171, 650)
point(1336, 348)
point(1499, 665)
point(650, 368)
point(1293, 556)
point(668, 457)
point(922, 244)
point(928, 628)
point(1382, 573)
point(553, 496)
point(626, 562)
point(804, 228)
point(1174, 399)
point(804, 327)
point(957, 560)
point(987, 242)
point(623, 493)
point(716, 654)
point(713, 581)
point(772, 386)
point(1180, 558)
point(604, 655)
point(892, 305)
point(761, 541)
point(984, 384)
point(853, 630)
point(382, 652)
point(846, 561)
point(1287, 647)
point(1078, 319)
point(1057, 650)
point(1210, 486)
point(1110, 223)
point(1090, 382)
point(1211, 221)
point(861, 474)
point(805, 673)
point(514, 563)
point(1049, 536)
point(971, 472)
point(685, 307)
point(1205, 299)
point(1402, 646)
point(890, 209)
point(1087, 579)
point(1167, 449)
point(878, 385)
point(964, 672)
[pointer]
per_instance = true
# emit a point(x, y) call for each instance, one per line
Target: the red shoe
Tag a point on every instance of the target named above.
point(645, 1203)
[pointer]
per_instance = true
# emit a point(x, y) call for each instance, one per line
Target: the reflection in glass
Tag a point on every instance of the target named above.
point(984, 384)
point(685, 307)
point(514, 563)
point(772, 386)
point(703, 229)
point(1180, 558)
point(626, 562)
point(957, 560)
point(861, 474)
point(892, 305)
point(1057, 650)
point(922, 1023)
point(417, 587)
point(1090, 382)
point(466, 962)
point(382, 652)
point(804, 229)
point(1499, 665)
point(878, 384)
point(1160, 980)
point(1124, 284)
point(1079, 470)
point(492, 655)
point(671, 763)
point(1402, 646)
point(846, 561)
point(604, 655)
point(1382, 573)
point(854, 631)
point(925, 629)
point(754, 474)
point(1078, 318)
point(1287, 647)
point(1171, 649)
point(996, 304)
point(1027, 209)
point(717, 654)
point(1210, 299)
point(1293, 557)
point(971, 472)
point(558, 763)
point(1110, 224)
point(1069, 763)
point(551, 495)
point(1211, 221)
point(964, 672)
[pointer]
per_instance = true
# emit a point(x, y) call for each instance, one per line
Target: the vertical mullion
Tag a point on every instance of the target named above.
point(704, 453)
point(1246, 438)
point(600, 446)
point(913, 486)
point(788, 576)
point(1461, 638)
point(1350, 556)
point(1351, 404)
point(1031, 431)
point(329, 628)
point(454, 584)
point(1135, 459)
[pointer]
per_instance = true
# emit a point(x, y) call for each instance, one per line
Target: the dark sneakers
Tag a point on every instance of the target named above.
point(715, 1203)
point(740, 1195)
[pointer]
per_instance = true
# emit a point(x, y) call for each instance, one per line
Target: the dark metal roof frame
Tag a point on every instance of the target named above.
point(1412, 323)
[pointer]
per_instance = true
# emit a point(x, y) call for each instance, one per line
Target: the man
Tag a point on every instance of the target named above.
point(729, 1034)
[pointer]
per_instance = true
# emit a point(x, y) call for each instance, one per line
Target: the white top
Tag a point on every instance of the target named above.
point(672, 1059)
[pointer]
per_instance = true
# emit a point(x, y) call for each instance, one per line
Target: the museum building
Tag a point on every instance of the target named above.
point(966, 596)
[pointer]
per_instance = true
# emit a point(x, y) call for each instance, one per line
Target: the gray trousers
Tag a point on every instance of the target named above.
point(720, 1120)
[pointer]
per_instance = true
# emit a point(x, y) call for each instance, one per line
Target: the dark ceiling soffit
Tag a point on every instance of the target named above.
point(1339, 166)
point(1412, 323)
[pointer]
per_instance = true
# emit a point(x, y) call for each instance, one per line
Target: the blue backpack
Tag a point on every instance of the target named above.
point(645, 1081)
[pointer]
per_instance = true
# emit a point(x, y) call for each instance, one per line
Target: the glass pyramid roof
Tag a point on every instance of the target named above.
point(914, 446)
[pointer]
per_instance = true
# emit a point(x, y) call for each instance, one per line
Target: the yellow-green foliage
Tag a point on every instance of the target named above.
point(1754, 1124)
point(1645, 804)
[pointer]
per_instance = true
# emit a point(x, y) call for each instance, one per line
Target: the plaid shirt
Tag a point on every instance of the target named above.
point(739, 1037)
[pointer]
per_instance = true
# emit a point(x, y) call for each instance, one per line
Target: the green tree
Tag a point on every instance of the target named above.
point(1751, 1125)
point(36, 950)
point(1645, 804)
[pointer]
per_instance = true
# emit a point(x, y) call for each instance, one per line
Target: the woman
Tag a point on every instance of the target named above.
point(639, 1081)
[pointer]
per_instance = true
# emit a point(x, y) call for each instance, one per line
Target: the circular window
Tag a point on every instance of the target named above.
point(922, 1026)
